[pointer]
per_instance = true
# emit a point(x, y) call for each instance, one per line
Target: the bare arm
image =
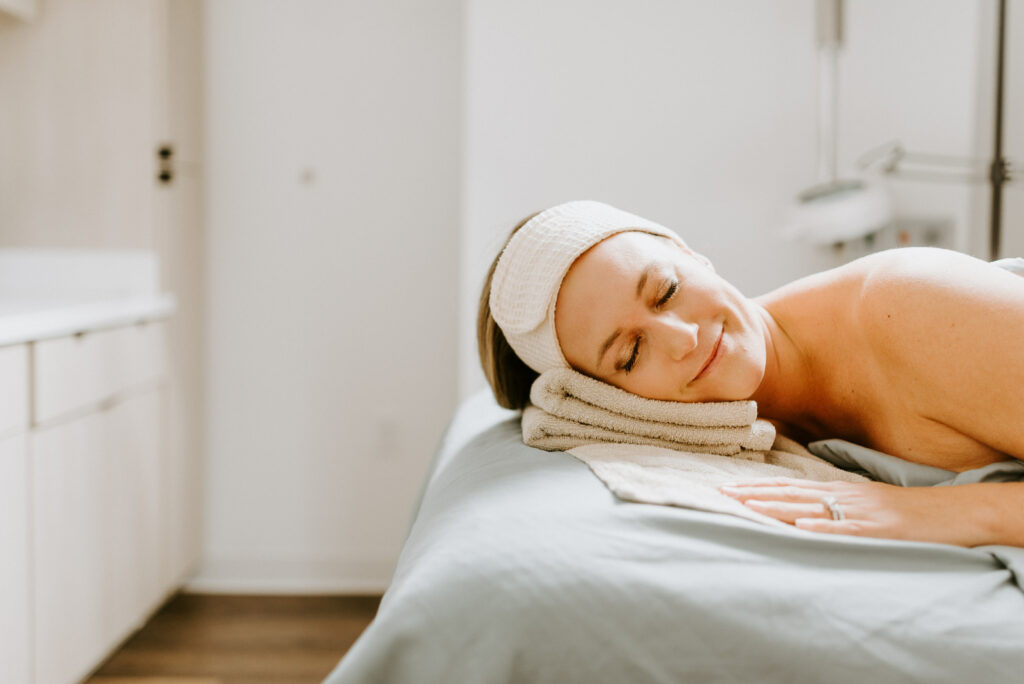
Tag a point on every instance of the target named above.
point(947, 332)
point(965, 515)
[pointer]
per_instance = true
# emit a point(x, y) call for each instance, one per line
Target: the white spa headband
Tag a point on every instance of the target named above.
point(530, 270)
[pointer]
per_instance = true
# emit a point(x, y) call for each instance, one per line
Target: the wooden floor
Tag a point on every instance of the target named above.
point(208, 639)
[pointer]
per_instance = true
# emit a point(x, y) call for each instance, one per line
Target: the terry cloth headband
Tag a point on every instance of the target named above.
point(534, 262)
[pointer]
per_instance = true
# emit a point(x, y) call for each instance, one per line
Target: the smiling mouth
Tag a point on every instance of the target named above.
point(711, 357)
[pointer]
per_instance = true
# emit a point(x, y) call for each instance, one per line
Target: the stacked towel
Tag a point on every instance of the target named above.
point(665, 452)
point(570, 409)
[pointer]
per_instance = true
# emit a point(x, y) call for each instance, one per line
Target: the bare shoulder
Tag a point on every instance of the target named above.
point(935, 287)
point(927, 263)
point(947, 328)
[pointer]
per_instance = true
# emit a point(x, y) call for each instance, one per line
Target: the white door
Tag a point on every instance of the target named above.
point(332, 132)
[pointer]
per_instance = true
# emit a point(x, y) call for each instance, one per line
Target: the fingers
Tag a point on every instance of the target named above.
point(789, 512)
point(790, 493)
point(786, 499)
point(869, 509)
point(828, 526)
point(817, 524)
point(780, 482)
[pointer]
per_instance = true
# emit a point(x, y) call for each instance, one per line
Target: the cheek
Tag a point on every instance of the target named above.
point(654, 381)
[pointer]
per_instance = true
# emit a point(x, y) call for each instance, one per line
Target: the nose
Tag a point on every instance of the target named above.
point(673, 335)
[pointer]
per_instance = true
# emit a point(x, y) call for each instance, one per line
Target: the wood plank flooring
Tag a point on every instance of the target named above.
point(217, 639)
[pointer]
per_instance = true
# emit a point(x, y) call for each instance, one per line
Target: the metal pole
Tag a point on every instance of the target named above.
point(997, 170)
point(830, 38)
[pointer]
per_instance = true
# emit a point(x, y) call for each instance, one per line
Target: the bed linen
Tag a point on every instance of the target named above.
point(520, 566)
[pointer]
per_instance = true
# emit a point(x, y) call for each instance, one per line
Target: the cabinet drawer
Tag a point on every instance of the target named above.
point(13, 388)
point(74, 372)
point(96, 533)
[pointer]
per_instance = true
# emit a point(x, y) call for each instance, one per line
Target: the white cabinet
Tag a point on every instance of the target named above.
point(97, 533)
point(70, 613)
point(15, 605)
point(15, 617)
point(13, 389)
point(84, 509)
point(77, 372)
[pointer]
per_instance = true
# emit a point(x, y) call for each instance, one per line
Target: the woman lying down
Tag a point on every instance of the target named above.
point(915, 352)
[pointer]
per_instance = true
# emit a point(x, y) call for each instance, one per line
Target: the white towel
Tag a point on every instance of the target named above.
point(564, 387)
point(647, 474)
point(570, 409)
point(543, 430)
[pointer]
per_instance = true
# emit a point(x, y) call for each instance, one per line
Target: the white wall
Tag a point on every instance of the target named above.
point(699, 115)
point(331, 147)
point(366, 161)
point(81, 116)
point(909, 73)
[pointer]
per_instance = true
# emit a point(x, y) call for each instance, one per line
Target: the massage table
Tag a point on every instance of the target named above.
point(521, 566)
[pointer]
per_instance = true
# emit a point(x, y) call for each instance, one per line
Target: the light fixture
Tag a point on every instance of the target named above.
point(835, 210)
point(840, 210)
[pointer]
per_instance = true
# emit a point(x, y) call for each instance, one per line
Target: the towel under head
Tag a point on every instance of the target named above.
point(543, 430)
point(570, 409)
point(565, 387)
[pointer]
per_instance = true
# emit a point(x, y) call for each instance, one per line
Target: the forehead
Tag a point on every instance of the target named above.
point(600, 287)
point(619, 254)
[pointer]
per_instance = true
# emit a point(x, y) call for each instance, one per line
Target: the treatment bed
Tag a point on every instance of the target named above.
point(521, 566)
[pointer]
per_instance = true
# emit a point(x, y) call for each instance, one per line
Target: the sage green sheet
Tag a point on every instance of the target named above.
point(521, 566)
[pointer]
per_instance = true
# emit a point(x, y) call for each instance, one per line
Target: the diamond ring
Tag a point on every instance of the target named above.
point(830, 504)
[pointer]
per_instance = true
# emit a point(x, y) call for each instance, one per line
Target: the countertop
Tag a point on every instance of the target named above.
point(46, 293)
point(27, 321)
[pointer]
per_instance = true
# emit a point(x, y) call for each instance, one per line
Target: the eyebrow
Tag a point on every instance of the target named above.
point(618, 331)
point(643, 278)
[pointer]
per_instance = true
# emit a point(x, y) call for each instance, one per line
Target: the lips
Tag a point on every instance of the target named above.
point(712, 356)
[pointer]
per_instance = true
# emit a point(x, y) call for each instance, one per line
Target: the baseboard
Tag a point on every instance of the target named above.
point(290, 576)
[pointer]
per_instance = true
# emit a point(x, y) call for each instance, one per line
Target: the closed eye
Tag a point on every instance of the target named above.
point(628, 366)
point(672, 288)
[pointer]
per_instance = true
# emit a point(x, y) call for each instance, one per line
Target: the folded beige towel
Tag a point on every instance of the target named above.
point(543, 430)
point(571, 409)
point(565, 387)
point(648, 474)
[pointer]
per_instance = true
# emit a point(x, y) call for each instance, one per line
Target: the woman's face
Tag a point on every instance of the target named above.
point(640, 312)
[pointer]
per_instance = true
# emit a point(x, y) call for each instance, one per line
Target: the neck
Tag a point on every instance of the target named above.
point(786, 392)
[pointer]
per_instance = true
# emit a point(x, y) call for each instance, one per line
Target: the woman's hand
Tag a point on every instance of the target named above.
point(950, 515)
